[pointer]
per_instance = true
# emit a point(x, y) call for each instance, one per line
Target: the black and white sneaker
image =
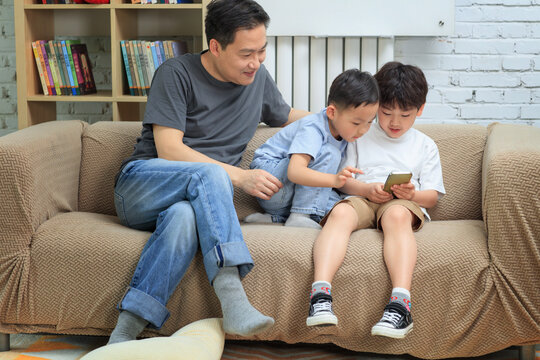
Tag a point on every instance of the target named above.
point(396, 322)
point(320, 311)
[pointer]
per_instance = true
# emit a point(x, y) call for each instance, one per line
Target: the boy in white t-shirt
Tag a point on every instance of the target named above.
point(391, 144)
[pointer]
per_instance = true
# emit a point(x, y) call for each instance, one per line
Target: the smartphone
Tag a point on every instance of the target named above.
point(396, 178)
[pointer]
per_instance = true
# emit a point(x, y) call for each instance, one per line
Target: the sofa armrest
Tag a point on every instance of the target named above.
point(39, 177)
point(511, 212)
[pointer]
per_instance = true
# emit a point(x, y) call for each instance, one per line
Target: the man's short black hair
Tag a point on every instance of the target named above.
point(353, 88)
point(225, 17)
point(402, 85)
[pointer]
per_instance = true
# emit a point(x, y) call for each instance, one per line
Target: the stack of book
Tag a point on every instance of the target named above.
point(142, 58)
point(57, 1)
point(64, 67)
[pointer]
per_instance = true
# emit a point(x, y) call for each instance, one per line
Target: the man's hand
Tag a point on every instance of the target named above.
point(404, 191)
point(259, 183)
point(344, 174)
point(377, 194)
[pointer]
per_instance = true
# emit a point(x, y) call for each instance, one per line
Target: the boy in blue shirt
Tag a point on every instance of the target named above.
point(305, 155)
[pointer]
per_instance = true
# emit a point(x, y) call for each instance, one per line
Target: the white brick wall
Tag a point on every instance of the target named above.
point(489, 70)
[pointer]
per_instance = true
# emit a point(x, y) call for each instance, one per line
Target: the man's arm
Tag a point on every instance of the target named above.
point(170, 146)
point(294, 115)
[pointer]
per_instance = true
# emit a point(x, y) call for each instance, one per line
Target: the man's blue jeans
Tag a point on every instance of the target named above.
point(187, 205)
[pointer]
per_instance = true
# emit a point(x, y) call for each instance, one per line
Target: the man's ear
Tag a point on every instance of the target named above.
point(331, 111)
point(419, 113)
point(214, 47)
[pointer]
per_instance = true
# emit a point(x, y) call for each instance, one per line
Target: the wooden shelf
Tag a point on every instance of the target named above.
point(119, 20)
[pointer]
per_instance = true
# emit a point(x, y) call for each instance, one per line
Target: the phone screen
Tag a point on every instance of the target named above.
point(396, 178)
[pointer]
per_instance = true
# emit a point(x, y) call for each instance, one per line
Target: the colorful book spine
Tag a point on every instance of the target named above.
point(162, 52)
point(154, 55)
point(73, 71)
point(40, 68)
point(62, 64)
point(157, 45)
point(68, 67)
point(126, 66)
point(83, 68)
point(144, 64)
point(56, 68)
point(139, 68)
point(135, 68)
point(51, 88)
point(54, 73)
point(150, 60)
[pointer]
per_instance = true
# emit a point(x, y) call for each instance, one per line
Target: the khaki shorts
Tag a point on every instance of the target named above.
point(370, 213)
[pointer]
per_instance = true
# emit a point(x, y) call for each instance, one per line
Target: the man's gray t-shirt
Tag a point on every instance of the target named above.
point(218, 118)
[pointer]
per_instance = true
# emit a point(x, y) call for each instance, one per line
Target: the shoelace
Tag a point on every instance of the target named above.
point(391, 317)
point(322, 306)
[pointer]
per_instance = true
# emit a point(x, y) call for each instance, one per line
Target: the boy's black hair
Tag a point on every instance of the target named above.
point(225, 17)
point(402, 85)
point(353, 88)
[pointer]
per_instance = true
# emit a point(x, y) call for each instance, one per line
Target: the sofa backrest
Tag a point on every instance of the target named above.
point(106, 144)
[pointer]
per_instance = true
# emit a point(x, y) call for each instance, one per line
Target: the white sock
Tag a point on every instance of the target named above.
point(258, 218)
point(301, 220)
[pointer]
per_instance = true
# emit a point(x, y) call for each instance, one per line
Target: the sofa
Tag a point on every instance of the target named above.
point(66, 261)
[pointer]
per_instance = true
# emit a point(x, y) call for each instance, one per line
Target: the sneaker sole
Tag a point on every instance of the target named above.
point(391, 333)
point(322, 320)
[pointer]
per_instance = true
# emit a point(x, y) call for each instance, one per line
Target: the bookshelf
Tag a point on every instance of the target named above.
point(119, 20)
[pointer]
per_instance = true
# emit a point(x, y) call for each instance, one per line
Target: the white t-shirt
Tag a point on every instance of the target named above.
point(377, 154)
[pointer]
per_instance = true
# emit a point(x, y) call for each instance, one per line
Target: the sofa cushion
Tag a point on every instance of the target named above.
point(105, 145)
point(461, 147)
point(92, 257)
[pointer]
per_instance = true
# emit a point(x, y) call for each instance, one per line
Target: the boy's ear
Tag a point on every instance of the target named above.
point(419, 113)
point(331, 111)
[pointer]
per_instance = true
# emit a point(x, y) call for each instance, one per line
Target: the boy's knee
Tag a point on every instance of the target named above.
point(397, 215)
point(343, 213)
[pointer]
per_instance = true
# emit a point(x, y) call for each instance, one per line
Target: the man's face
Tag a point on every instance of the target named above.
point(241, 59)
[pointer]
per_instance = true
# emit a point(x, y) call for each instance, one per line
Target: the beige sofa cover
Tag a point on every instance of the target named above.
point(65, 260)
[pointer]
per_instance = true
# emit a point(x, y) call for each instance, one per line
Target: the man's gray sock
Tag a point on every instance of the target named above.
point(239, 316)
point(301, 220)
point(127, 328)
point(258, 218)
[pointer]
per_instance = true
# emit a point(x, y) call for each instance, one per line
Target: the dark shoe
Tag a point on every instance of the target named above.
point(396, 322)
point(320, 311)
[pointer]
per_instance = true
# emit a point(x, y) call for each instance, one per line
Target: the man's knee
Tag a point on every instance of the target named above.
point(214, 175)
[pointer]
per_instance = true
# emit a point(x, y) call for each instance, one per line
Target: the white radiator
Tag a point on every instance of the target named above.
point(304, 67)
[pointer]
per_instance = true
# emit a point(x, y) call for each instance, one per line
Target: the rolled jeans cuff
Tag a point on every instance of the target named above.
point(225, 255)
point(141, 304)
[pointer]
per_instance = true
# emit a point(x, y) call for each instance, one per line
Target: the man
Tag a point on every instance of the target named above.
point(201, 112)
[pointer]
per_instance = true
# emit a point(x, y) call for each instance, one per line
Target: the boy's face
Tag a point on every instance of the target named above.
point(396, 121)
point(239, 61)
point(352, 122)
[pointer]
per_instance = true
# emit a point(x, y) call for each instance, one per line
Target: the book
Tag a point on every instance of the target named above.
point(62, 65)
point(179, 48)
point(139, 68)
point(150, 60)
point(68, 67)
point(52, 65)
point(144, 65)
point(126, 67)
point(56, 67)
point(83, 68)
point(162, 52)
point(154, 55)
point(135, 68)
point(158, 52)
point(47, 67)
point(39, 67)
point(73, 72)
